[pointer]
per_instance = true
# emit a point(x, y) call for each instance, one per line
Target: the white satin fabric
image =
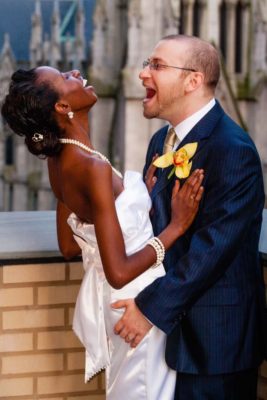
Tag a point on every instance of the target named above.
point(132, 374)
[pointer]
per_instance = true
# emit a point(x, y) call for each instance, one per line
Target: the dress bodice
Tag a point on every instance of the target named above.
point(132, 207)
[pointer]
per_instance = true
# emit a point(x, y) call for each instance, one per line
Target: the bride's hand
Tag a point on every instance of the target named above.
point(150, 178)
point(185, 200)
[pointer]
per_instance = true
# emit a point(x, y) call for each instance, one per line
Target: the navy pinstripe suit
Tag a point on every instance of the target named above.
point(211, 301)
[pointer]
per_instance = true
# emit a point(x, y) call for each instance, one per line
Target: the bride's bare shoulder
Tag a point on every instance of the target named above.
point(92, 174)
point(87, 166)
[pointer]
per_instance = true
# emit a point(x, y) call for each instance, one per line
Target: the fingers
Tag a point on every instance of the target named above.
point(150, 179)
point(130, 337)
point(150, 172)
point(195, 186)
point(124, 333)
point(151, 169)
point(192, 185)
point(189, 183)
point(154, 180)
point(118, 328)
point(119, 304)
point(199, 194)
point(135, 342)
point(176, 188)
point(132, 326)
point(133, 339)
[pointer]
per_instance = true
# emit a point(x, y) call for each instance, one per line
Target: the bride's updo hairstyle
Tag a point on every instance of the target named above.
point(28, 109)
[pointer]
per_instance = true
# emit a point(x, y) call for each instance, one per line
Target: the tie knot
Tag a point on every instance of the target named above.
point(170, 140)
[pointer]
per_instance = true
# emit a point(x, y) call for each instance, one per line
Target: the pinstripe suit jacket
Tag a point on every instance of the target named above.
point(211, 301)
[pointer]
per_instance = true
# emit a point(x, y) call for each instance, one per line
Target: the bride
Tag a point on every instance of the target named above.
point(109, 217)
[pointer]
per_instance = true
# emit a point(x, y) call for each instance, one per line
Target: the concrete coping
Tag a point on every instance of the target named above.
point(30, 236)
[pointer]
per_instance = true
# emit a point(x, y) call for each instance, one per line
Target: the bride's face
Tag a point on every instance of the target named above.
point(70, 85)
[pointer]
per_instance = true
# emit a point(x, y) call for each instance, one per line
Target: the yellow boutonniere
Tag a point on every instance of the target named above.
point(179, 159)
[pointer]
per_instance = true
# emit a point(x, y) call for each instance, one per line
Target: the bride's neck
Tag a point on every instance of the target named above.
point(78, 130)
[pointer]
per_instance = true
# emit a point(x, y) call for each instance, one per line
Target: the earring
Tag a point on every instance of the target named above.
point(70, 114)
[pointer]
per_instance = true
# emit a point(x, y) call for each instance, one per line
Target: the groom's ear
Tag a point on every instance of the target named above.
point(193, 81)
point(62, 107)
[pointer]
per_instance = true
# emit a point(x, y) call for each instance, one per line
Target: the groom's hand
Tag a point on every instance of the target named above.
point(150, 178)
point(132, 326)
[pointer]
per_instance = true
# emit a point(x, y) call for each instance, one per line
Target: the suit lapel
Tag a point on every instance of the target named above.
point(200, 133)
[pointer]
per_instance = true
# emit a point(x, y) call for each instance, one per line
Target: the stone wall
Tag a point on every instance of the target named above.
point(41, 358)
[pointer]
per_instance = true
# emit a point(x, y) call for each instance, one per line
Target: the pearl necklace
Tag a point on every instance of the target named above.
point(89, 150)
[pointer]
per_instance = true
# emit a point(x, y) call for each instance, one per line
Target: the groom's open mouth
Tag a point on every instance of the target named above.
point(150, 93)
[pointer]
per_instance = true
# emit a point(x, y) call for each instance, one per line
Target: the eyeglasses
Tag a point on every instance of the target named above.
point(156, 66)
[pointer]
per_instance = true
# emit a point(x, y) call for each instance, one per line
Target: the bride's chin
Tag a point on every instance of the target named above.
point(92, 102)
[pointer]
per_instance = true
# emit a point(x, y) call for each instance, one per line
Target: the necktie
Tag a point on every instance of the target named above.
point(170, 140)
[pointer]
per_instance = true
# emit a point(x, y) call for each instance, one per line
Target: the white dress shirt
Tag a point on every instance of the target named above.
point(184, 127)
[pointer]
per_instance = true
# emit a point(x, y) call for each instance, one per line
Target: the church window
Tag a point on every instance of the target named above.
point(238, 37)
point(182, 18)
point(196, 18)
point(223, 29)
point(9, 151)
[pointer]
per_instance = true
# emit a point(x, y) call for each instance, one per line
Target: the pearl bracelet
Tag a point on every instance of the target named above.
point(159, 248)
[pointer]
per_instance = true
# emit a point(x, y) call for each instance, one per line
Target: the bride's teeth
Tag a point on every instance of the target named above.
point(84, 82)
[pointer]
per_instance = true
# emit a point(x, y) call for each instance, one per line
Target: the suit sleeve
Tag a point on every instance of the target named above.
point(232, 206)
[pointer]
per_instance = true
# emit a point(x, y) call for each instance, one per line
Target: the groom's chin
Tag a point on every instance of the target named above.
point(149, 115)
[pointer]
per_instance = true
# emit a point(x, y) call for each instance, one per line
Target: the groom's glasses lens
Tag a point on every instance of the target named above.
point(156, 66)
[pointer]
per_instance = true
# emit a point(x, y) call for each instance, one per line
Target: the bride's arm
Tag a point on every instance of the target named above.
point(119, 268)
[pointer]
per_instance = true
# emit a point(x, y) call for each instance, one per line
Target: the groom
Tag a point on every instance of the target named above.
point(211, 301)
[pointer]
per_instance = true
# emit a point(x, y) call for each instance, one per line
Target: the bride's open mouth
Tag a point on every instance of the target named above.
point(84, 83)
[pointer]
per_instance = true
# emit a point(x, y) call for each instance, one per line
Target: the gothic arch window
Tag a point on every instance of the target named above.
point(9, 150)
point(238, 37)
point(182, 18)
point(196, 18)
point(223, 29)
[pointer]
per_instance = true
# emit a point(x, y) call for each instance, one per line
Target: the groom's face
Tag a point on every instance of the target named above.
point(164, 85)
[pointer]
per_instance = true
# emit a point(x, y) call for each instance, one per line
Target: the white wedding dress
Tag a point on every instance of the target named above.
point(132, 374)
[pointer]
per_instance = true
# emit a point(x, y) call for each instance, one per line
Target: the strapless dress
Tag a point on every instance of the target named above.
point(132, 374)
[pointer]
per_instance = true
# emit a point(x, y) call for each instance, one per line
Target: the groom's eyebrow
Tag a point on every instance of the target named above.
point(157, 59)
